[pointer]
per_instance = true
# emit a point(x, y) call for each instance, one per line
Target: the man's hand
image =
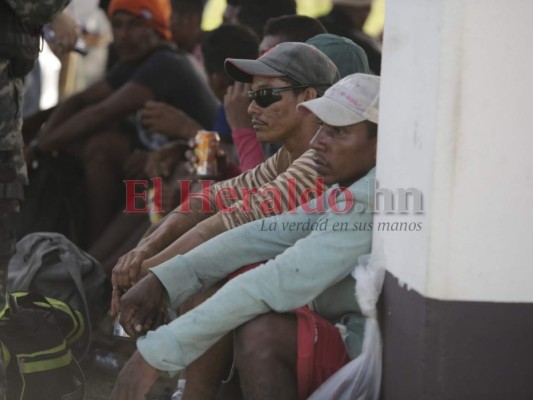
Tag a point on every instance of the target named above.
point(126, 273)
point(162, 118)
point(236, 104)
point(66, 32)
point(141, 305)
point(29, 156)
point(135, 379)
point(192, 162)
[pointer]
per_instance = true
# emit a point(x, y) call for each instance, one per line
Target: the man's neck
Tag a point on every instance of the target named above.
point(299, 142)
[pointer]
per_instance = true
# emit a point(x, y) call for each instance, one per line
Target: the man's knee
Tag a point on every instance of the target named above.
point(269, 336)
point(96, 149)
point(107, 145)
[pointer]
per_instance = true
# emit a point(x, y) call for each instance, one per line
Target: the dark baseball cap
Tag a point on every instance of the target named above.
point(345, 54)
point(299, 61)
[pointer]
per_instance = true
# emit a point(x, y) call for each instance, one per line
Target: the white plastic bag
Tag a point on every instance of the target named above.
point(360, 379)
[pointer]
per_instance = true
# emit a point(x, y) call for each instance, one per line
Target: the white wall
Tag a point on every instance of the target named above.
point(457, 123)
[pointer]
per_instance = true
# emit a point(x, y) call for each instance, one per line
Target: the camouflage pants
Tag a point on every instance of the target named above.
point(12, 167)
point(11, 143)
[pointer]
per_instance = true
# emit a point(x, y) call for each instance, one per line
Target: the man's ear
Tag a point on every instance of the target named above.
point(310, 94)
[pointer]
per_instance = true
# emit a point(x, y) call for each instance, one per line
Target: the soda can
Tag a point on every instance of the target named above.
point(206, 150)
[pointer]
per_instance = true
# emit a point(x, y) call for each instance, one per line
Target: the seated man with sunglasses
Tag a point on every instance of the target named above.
point(287, 75)
point(285, 313)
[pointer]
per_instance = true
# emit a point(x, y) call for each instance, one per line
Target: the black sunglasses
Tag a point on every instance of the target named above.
point(267, 97)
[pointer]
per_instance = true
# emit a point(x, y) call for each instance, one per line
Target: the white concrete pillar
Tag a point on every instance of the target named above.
point(456, 122)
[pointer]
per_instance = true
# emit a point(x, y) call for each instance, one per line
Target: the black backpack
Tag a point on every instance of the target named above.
point(36, 334)
point(49, 264)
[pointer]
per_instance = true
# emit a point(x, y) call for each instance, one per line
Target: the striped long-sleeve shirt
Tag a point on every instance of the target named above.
point(274, 186)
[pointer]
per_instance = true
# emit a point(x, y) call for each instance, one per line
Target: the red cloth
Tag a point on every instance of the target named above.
point(249, 150)
point(154, 13)
point(321, 351)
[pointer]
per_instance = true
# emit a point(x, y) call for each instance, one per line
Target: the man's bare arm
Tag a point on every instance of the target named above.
point(130, 267)
point(125, 100)
point(185, 243)
point(93, 94)
point(173, 227)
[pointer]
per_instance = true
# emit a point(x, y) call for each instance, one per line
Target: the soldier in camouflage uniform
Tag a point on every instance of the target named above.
point(20, 28)
point(12, 168)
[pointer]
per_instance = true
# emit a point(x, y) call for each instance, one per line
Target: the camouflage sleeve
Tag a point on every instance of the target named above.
point(37, 11)
point(11, 144)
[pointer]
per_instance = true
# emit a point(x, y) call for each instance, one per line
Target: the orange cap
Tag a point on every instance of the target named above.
point(155, 13)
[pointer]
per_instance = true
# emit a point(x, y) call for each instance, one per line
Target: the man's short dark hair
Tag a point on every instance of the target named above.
point(294, 28)
point(228, 41)
point(255, 13)
point(188, 6)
